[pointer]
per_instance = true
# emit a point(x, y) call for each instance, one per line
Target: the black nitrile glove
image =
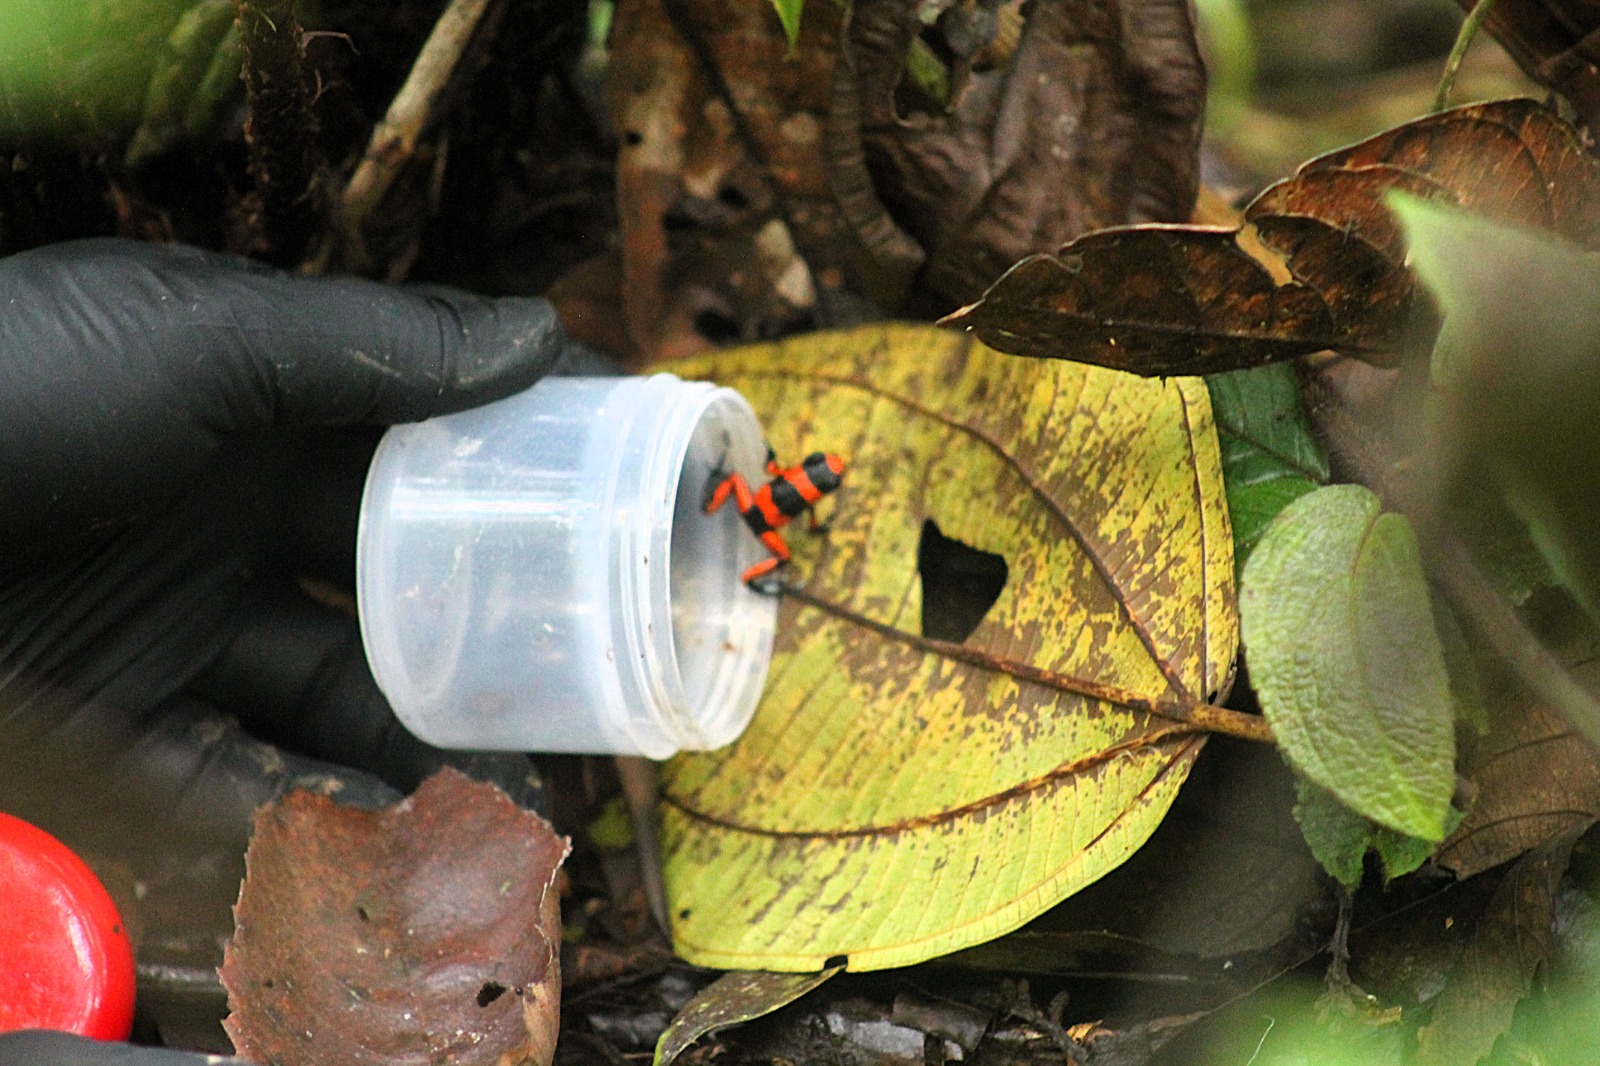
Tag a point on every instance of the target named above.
point(39, 1048)
point(183, 438)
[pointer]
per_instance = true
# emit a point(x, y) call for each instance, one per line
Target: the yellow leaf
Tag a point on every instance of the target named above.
point(898, 798)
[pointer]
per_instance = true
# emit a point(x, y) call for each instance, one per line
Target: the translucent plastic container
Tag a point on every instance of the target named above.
point(539, 574)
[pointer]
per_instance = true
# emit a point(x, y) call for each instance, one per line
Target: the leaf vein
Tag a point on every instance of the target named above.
point(1096, 559)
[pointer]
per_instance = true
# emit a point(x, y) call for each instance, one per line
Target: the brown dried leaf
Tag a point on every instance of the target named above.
point(1317, 265)
point(1093, 121)
point(1535, 777)
point(763, 189)
point(1556, 43)
point(423, 933)
point(709, 252)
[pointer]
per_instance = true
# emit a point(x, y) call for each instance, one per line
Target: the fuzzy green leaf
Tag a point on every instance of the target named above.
point(1341, 647)
point(1269, 456)
point(1337, 836)
point(1400, 854)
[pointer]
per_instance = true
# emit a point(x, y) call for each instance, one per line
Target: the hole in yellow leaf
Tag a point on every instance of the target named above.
point(959, 584)
point(716, 327)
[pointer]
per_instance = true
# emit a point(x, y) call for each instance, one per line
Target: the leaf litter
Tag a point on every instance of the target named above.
point(425, 932)
point(704, 289)
point(1319, 262)
point(765, 188)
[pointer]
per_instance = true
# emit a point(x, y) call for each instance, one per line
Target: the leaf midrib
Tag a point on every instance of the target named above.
point(1141, 629)
point(1065, 770)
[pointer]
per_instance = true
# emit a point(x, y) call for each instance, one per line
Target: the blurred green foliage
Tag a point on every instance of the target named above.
point(135, 74)
point(1518, 385)
point(79, 71)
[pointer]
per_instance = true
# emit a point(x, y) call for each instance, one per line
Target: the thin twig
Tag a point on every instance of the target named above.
point(1452, 66)
point(1204, 716)
point(1339, 947)
point(394, 140)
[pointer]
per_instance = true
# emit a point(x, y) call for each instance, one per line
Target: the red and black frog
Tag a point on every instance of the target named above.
point(791, 492)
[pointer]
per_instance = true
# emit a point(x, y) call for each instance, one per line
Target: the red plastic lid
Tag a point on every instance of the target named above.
point(65, 958)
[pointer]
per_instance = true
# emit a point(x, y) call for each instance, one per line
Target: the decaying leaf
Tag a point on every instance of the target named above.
point(735, 997)
point(1093, 120)
point(992, 778)
point(1344, 657)
point(1319, 262)
point(1511, 941)
point(766, 184)
point(1269, 456)
point(1535, 777)
point(427, 932)
point(708, 255)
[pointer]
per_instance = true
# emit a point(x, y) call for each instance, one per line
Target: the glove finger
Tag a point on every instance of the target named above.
point(206, 590)
point(296, 675)
point(39, 1047)
point(124, 366)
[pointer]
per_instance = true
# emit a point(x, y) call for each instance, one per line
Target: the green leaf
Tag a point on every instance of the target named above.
point(997, 775)
point(611, 829)
point(789, 15)
point(1337, 836)
point(193, 76)
point(1517, 377)
point(1400, 853)
point(1340, 838)
point(1269, 456)
point(1342, 651)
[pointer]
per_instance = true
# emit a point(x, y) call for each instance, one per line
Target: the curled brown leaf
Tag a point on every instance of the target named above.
point(1318, 263)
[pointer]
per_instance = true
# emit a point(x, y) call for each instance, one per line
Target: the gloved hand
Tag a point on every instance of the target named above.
point(183, 439)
